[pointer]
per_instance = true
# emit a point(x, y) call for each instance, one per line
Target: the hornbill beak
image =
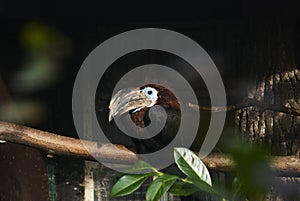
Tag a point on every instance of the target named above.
point(126, 100)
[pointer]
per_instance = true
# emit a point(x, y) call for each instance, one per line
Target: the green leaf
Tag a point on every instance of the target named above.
point(203, 186)
point(253, 169)
point(159, 186)
point(141, 167)
point(180, 188)
point(191, 165)
point(236, 185)
point(128, 184)
point(237, 188)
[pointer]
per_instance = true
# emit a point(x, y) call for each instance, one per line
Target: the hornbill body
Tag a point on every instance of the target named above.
point(138, 102)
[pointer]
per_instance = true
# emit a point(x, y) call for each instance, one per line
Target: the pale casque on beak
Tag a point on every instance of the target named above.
point(131, 99)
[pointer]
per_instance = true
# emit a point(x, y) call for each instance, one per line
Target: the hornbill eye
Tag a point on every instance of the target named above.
point(151, 94)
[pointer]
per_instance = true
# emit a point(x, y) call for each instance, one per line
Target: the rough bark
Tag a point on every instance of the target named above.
point(269, 57)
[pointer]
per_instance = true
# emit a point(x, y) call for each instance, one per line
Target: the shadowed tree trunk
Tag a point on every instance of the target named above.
point(269, 53)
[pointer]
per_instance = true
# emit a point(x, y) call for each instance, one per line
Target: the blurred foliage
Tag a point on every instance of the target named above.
point(17, 111)
point(254, 175)
point(45, 50)
point(37, 36)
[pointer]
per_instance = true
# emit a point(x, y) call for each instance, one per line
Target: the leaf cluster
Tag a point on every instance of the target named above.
point(197, 178)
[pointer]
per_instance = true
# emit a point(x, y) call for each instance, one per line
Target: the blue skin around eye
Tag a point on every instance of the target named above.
point(151, 96)
point(151, 90)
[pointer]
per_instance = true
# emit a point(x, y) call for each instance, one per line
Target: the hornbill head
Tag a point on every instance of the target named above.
point(138, 101)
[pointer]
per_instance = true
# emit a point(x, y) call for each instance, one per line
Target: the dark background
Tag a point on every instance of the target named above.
point(220, 27)
point(43, 44)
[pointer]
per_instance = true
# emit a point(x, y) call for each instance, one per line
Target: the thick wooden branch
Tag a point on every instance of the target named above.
point(60, 145)
point(282, 165)
point(248, 103)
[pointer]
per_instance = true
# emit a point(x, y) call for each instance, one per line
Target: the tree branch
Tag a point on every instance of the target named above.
point(282, 165)
point(61, 145)
point(248, 103)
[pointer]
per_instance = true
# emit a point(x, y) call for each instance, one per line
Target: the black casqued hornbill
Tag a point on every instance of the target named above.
point(138, 102)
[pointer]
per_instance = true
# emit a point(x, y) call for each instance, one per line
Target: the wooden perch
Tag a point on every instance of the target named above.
point(61, 145)
point(248, 103)
point(282, 165)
